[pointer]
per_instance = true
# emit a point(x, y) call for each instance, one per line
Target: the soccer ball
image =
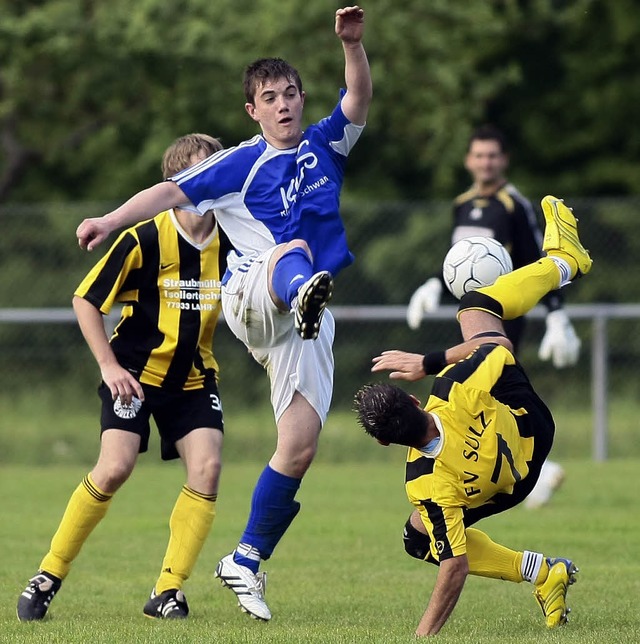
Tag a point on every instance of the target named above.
point(474, 262)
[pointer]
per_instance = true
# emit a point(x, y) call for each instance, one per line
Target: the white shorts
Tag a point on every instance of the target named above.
point(293, 364)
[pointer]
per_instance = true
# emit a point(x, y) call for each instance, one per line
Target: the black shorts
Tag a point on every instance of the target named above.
point(176, 413)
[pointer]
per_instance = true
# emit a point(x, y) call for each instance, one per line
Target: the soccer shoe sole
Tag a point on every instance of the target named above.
point(312, 301)
point(562, 574)
point(561, 233)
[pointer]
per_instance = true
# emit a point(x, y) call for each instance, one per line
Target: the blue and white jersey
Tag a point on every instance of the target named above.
point(264, 196)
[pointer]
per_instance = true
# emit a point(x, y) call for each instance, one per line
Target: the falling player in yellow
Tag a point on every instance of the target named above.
point(166, 273)
point(477, 447)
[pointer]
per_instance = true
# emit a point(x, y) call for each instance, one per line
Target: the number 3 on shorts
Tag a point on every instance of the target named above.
point(215, 402)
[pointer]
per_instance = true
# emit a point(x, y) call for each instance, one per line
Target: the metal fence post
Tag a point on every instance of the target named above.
point(599, 386)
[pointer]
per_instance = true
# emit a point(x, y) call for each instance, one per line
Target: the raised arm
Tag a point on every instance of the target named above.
point(414, 366)
point(143, 205)
point(350, 28)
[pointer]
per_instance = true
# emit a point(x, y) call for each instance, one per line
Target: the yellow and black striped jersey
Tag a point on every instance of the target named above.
point(169, 287)
point(481, 450)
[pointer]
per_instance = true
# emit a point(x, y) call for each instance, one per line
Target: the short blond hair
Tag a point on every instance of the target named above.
point(178, 155)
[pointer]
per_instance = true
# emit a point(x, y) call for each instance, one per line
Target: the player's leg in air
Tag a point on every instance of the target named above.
point(296, 363)
point(294, 286)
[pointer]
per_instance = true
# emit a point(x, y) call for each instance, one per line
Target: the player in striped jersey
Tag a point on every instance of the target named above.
point(493, 207)
point(166, 274)
point(277, 196)
point(477, 447)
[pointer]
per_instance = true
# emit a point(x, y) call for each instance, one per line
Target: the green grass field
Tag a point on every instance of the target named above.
point(339, 575)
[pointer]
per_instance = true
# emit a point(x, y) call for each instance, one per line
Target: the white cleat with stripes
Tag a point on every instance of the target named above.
point(248, 587)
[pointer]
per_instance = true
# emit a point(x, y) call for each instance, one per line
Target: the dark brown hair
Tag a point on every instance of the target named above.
point(390, 415)
point(489, 133)
point(268, 69)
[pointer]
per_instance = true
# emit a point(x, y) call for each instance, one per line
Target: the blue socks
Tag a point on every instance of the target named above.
point(292, 270)
point(273, 508)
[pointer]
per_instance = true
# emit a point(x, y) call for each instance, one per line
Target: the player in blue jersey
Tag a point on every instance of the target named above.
point(277, 198)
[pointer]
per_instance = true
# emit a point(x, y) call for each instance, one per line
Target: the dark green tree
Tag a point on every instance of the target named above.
point(92, 92)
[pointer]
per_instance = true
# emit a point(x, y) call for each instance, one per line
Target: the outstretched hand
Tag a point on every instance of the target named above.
point(402, 365)
point(92, 232)
point(350, 24)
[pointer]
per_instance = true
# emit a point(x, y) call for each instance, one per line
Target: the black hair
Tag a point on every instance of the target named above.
point(390, 415)
point(489, 133)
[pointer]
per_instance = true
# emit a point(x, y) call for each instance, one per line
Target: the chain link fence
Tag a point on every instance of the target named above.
point(397, 247)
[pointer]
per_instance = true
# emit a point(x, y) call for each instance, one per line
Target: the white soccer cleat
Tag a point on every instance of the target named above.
point(551, 478)
point(248, 587)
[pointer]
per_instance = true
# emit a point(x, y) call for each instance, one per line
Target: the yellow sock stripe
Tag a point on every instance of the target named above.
point(94, 490)
point(199, 495)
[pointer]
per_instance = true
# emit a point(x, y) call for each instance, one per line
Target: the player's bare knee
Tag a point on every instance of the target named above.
point(204, 475)
point(301, 461)
point(294, 462)
point(110, 476)
point(297, 243)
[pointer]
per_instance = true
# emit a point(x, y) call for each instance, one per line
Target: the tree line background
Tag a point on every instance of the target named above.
point(91, 92)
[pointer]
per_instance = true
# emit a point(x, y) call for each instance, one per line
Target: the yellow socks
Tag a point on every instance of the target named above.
point(86, 508)
point(490, 559)
point(190, 523)
point(518, 292)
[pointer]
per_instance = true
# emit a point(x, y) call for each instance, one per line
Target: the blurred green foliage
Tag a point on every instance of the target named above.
point(397, 246)
point(92, 92)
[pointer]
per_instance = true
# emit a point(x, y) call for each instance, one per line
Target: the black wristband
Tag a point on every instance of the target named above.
point(434, 362)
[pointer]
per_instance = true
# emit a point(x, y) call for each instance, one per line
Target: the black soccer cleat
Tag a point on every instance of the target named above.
point(170, 604)
point(34, 601)
point(310, 304)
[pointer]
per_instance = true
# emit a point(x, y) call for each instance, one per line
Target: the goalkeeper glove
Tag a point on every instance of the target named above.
point(425, 299)
point(560, 342)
